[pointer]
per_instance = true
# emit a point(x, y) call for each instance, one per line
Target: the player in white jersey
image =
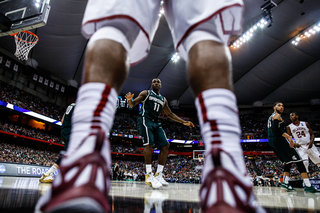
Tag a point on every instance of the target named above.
point(120, 34)
point(304, 140)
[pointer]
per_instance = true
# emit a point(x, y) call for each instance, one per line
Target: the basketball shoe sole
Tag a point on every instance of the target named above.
point(85, 198)
point(219, 176)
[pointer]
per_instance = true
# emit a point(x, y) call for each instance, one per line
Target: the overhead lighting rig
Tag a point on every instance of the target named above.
point(266, 20)
point(307, 33)
point(266, 14)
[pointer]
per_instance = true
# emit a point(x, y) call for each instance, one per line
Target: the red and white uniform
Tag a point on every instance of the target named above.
point(302, 136)
point(183, 16)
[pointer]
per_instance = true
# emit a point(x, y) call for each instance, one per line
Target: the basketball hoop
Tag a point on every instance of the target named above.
point(200, 159)
point(25, 40)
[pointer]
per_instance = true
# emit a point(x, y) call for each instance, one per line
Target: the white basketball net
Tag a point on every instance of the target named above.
point(25, 40)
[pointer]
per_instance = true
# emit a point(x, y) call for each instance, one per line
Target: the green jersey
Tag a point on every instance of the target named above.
point(66, 125)
point(275, 131)
point(152, 106)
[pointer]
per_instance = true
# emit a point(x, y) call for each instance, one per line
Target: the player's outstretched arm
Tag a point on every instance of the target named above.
point(296, 145)
point(311, 136)
point(63, 118)
point(133, 102)
point(174, 117)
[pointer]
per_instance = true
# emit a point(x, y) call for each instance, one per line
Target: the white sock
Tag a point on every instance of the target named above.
point(148, 168)
point(94, 112)
point(306, 164)
point(52, 169)
point(95, 109)
point(286, 179)
point(160, 168)
point(307, 182)
point(220, 125)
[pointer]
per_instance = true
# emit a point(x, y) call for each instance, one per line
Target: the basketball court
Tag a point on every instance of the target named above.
point(19, 194)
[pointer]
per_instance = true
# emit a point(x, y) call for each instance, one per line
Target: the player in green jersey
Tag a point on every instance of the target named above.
point(150, 129)
point(65, 134)
point(283, 147)
point(66, 125)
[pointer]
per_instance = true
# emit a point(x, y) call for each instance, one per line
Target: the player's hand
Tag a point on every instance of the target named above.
point(129, 96)
point(291, 142)
point(296, 145)
point(310, 144)
point(188, 123)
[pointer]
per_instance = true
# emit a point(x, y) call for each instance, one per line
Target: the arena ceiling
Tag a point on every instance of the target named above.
point(267, 68)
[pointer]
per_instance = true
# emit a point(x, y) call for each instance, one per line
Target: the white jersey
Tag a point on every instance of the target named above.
point(182, 16)
point(300, 133)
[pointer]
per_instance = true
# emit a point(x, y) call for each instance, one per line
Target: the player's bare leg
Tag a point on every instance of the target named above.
point(106, 62)
point(225, 184)
point(83, 182)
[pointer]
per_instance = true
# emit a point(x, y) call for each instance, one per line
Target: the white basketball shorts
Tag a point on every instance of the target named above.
point(138, 21)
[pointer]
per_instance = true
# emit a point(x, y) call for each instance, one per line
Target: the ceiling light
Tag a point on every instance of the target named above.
point(175, 58)
point(161, 11)
point(249, 33)
point(307, 33)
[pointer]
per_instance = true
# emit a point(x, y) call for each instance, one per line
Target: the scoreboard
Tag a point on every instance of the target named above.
point(122, 103)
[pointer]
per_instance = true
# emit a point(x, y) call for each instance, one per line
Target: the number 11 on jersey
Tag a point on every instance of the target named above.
point(156, 107)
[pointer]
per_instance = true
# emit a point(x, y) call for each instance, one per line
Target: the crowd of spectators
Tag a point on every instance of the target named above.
point(30, 132)
point(269, 166)
point(178, 169)
point(23, 99)
point(125, 149)
point(181, 169)
point(127, 124)
point(14, 153)
point(254, 125)
point(178, 131)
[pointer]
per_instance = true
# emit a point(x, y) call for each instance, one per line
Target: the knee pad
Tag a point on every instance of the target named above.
point(111, 33)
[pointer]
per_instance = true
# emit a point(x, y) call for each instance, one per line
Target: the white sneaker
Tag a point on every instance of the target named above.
point(46, 178)
point(159, 177)
point(43, 177)
point(154, 199)
point(152, 181)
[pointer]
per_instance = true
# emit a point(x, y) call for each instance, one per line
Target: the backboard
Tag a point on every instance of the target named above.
point(22, 15)
point(198, 154)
